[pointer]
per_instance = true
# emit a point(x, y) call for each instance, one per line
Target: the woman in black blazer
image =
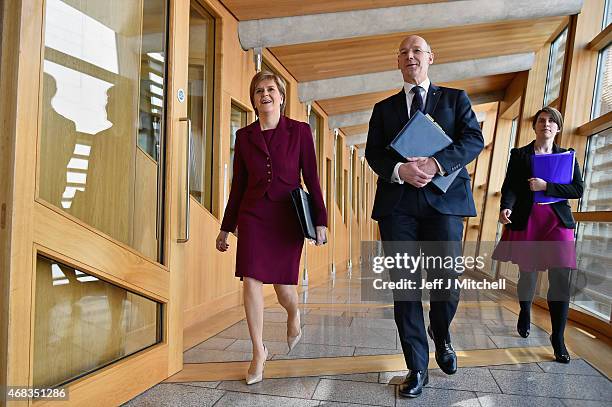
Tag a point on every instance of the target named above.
point(528, 222)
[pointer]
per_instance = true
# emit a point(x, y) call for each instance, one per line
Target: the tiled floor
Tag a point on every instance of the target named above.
point(330, 331)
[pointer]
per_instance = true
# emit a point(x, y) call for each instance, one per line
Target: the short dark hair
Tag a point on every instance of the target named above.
point(554, 114)
point(280, 84)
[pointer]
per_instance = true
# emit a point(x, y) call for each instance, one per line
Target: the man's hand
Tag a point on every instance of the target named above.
point(426, 164)
point(411, 173)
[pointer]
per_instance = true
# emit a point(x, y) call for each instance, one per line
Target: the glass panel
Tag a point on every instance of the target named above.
point(608, 14)
point(238, 120)
point(555, 68)
point(316, 126)
point(83, 323)
point(593, 249)
point(603, 90)
point(598, 173)
point(102, 107)
point(200, 104)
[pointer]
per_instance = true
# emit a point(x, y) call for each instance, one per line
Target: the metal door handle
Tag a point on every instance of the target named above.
point(188, 165)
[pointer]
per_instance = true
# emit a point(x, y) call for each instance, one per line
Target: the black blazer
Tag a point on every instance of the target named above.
point(517, 196)
point(452, 110)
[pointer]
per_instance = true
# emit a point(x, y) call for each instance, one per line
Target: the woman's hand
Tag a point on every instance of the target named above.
point(504, 216)
point(321, 235)
point(537, 184)
point(221, 243)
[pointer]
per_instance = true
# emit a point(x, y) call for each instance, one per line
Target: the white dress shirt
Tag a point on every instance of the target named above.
point(409, 96)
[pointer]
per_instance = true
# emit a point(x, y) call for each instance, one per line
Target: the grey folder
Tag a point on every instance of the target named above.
point(422, 137)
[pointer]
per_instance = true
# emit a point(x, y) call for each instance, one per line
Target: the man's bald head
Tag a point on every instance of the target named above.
point(413, 59)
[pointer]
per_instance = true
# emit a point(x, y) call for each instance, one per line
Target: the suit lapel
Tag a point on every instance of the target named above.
point(432, 98)
point(401, 106)
point(281, 134)
point(257, 138)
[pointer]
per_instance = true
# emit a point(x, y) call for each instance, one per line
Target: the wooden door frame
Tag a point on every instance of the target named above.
point(36, 227)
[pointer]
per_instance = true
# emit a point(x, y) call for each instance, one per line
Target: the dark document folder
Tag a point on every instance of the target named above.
point(303, 206)
point(557, 168)
point(422, 137)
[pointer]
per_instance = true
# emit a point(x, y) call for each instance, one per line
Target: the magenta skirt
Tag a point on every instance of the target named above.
point(544, 243)
point(270, 241)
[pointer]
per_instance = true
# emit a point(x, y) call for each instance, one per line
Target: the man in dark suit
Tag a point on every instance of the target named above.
point(409, 208)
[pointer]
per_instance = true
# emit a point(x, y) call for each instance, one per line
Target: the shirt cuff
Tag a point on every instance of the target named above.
point(395, 176)
point(441, 171)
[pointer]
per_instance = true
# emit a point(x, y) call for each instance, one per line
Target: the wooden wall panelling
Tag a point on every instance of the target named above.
point(533, 97)
point(25, 71)
point(9, 26)
point(480, 180)
point(329, 59)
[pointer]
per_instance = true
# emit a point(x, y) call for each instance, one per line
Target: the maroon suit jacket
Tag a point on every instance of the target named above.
point(276, 173)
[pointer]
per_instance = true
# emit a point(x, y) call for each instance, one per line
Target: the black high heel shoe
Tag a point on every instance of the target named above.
point(523, 324)
point(561, 353)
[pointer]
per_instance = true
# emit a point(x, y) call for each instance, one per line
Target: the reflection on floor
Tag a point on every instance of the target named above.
point(336, 324)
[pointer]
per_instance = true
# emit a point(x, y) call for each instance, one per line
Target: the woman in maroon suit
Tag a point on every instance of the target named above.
point(270, 155)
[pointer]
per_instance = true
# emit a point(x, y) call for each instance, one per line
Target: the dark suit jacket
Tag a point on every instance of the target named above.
point(517, 196)
point(275, 172)
point(452, 110)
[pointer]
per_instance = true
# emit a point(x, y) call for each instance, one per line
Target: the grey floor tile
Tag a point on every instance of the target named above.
point(325, 320)
point(510, 330)
point(310, 350)
point(584, 403)
point(215, 343)
point(231, 399)
point(334, 313)
point(168, 394)
point(473, 329)
point(352, 392)
point(337, 404)
point(518, 342)
point(562, 386)
point(272, 331)
point(347, 336)
point(468, 342)
point(208, 385)
point(299, 387)
point(530, 367)
point(576, 366)
point(357, 377)
point(214, 355)
point(508, 400)
point(361, 351)
point(245, 345)
point(441, 397)
point(374, 323)
point(395, 377)
point(469, 379)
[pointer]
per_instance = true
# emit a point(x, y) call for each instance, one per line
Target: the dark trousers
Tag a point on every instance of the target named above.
point(423, 224)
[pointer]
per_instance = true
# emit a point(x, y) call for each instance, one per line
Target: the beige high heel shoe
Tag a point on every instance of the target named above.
point(252, 378)
point(293, 340)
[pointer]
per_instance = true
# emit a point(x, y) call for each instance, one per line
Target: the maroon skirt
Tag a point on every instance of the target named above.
point(544, 243)
point(270, 241)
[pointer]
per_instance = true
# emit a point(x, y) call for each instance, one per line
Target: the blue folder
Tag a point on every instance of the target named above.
point(422, 137)
point(557, 168)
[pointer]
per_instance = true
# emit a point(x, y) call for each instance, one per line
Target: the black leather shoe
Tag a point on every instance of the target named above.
point(561, 353)
point(445, 354)
point(414, 383)
point(523, 324)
